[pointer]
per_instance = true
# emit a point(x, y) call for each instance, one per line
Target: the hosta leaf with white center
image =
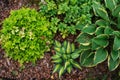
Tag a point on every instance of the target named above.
point(75, 64)
point(100, 56)
point(116, 44)
point(75, 54)
point(72, 47)
point(114, 55)
point(111, 4)
point(57, 67)
point(69, 69)
point(90, 29)
point(57, 44)
point(112, 65)
point(61, 71)
point(68, 49)
point(84, 38)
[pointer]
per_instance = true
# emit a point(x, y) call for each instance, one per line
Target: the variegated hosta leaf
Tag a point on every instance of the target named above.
point(82, 47)
point(116, 33)
point(76, 54)
point(116, 11)
point(103, 13)
point(115, 55)
point(72, 47)
point(112, 65)
point(75, 64)
point(101, 40)
point(55, 56)
point(90, 29)
point(57, 44)
point(79, 26)
point(84, 39)
point(111, 4)
point(67, 63)
point(101, 22)
point(57, 67)
point(61, 71)
point(59, 60)
point(69, 69)
point(95, 6)
point(95, 46)
point(87, 59)
point(116, 44)
point(68, 49)
point(100, 56)
point(108, 31)
point(99, 10)
point(65, 44)
point(100, 30)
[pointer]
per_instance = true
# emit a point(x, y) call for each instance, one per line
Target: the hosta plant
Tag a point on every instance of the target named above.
point(65, 57)
point(65, 14)
point(101, 41)
point(25, 35)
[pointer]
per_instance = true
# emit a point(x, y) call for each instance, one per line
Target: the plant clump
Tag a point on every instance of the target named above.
point(26, 35)
point(64, 15)
point(101, 40)
point(65, 57)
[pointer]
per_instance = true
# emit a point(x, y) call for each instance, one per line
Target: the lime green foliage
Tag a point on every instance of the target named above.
point(65, 56)
point(101, 41)
point(26, 35)
point(65, 14)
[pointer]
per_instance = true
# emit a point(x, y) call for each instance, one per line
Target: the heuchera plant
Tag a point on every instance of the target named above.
point(101, 41)
point(26, 35)
point(65, 14)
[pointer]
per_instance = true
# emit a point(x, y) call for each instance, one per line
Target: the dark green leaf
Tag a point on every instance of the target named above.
point(116, 11)
point(100, 56)
point(84, 38)
point(114, 55)
point(90, 29)
point(99, 30)
point(111, 4)
point(108, 30)
point(116, 45)
point(101, 40)
point(112, 65)
point(101, 22)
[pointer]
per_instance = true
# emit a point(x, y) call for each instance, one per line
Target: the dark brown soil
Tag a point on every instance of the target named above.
point(42, 70)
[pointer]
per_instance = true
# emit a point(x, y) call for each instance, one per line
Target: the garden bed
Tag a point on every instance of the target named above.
point(42, 70)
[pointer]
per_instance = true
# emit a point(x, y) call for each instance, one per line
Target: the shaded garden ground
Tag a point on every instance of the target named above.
point(42, 70)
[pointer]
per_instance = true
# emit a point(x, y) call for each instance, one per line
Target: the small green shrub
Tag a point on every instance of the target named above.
point(65, 14)
point(65, 56)
point(26, 35)
point(101, 41)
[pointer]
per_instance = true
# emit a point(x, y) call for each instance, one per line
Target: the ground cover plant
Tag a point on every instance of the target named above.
point(25, 35)
point(101, 41)
point(65, 14)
